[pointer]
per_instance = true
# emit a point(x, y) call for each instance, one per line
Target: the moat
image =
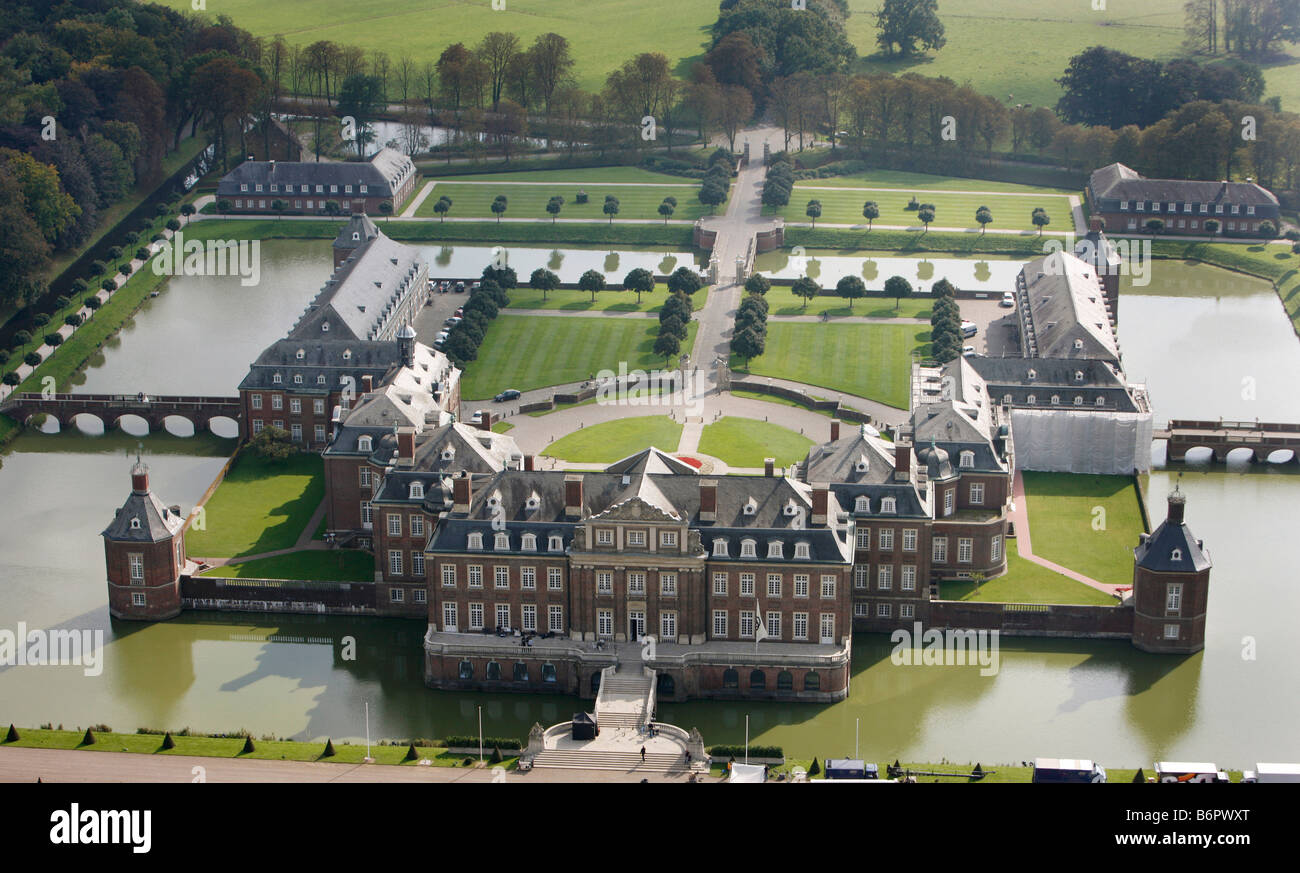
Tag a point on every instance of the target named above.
point(1194, 335)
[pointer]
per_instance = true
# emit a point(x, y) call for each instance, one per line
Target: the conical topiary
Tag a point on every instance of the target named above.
point(12, 736)
point(496, 755)
point(978, 772)
point(89, 738)
point(168, 742)
point(411, 754)
point(248, 746)
point(329, 749)
point(1139, 776)
point(815, 768)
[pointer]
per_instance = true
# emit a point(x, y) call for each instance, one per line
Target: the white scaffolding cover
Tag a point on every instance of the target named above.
point(1072, 441)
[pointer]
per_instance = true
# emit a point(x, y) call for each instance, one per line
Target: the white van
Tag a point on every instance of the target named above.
point(1181, 771)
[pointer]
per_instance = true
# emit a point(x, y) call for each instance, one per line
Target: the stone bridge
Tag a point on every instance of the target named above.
point(1221, 437)
point(109, 408)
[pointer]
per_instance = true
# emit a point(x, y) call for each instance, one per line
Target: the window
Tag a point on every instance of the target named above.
point(884, 610)
point(277, 401)
point(719, 584)
point(828, 626)
point(862, 504)
point(475, 572)
point(295, 406)
point(948, 502)
point(861, 610)
point(776, 549)
point(555, 544)
point(909, 539)
point(864, 538)
point(449, 616)
point(1173, 597)
point(668, 538)
point(668, 626)
point(501, 577)
point(476, 616)
point(466, 670)
point(417, 525)
point(548, 673)
point(604, 583)
point(137, 598)
point(501, 541)
point(555, 619)
point(964, 550)
point(668, 585)
point(396, 595)
point(1056, 399)
point(528, 543)
point(365, 514)
point(746, 624)
point(553, 578)
point(521, 671)
point(1176, 555)
point(774, 625)
point(136, 561)
point(773, 584)
point(801, 584)
point(885, 577)
point(828, 586)
point(909, 577)
point(720, 623)
point(757, 680)
point(503, 615)
point(636, 538)
point(746, 584)
point(256, 400)
point(801, 551)
point(747, 549)
point(528, 619)
point(977, 493)
point(966, 459)
point(257, 425)
point(243, 188)
point(528, 578)
point(318, 433)
point(1101, 401)
point(906, 610)
point(605, 622)
point(449, 575)
point(1123, 206)
point(417, 566)
point(995, 549)
point(475, 540)
point(394, 525)
point(888, 504)
point(885, 537)
point(394, 562)
point(730, 678)
point(295, 432)
point(801, 625)
point(636, 584)
point(719, 548)
point(812, 682)
point(860, 576)
point(1171, 631)
point(1031, 400)
point(604, 537)
point(363, 445)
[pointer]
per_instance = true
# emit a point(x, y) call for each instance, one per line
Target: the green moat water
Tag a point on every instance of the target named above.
point(285, 675)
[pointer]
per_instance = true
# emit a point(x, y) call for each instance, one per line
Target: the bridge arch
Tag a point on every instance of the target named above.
point(224, 426)
point(179, 425)
point(1240, 455)
point(130, 423)
point(87, 423)
point(1282, 456)
point(1200, 455)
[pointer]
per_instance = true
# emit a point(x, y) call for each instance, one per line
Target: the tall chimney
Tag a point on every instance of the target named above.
point(573, 495)
point(835, 429)
point(461, 492)
point(406, 444)
point(708, 500)
point(1096, 224)
point(140, 477)
point(769, 467)
point(1177, 502)
point(902, 460)
point(820, 502)
point(367, 384)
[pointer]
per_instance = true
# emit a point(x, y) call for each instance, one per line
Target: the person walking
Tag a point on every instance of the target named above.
point(643, 754)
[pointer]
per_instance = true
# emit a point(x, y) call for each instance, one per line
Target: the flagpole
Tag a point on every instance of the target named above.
point(746, 739)
point(367, 729)
point(480, 734)
point(856, 725)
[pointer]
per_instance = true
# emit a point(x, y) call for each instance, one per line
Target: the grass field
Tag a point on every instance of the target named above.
point(638, 200)
point(528, 351)
point(614, 440)
point(567, 300)
point(869, 360)
point(260, 506)
point(335, 565)
point(782, 301)
point(1089, 524)
point(842, 198)
point(744, 442)
point(1026, 582)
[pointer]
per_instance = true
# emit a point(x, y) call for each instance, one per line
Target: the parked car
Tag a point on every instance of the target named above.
point(1067, 770)
point(444, 286)
point(474, 287)
point(508, 394)
point(968, 328)
point(460, 287)
point(460, 311)
point(442, 336)
point(453, 321)
point(1178, 771)
point(968, 350)
point(1008, 299)
point(439, 345)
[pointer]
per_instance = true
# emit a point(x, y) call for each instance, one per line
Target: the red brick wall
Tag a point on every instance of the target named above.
point(1149, 601)
point(160, 585)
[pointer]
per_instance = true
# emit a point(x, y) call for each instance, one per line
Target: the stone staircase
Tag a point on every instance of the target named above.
point(608, 759)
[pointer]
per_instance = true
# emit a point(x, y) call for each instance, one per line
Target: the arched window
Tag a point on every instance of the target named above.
point(501, 542)
point(297, 378)
point(466, 670)
point(135, 524)
point(417, 490)
point(966, 459)
point(757, 680)
point(276, 379)
point(747, 549)
point(493, 670)
point(475, 540)
point(1056, 399)
point(1031, 400)
point(888, 504)
point(529, 543)
point(775, 549)
point(320, 379)
point(862, 504)
point(364, 444)
point(719, 548)
point(1176, 555)
point(801, 550)
point(1101, 401)
point(785, 681)
point(665, 686)
point(1078, 400)
point(300, 354)
point(812, 682)
point(730, 678)
point(521, 671)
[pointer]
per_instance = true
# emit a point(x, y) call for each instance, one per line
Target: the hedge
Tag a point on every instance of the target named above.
point(739, 752)
point(460, 741)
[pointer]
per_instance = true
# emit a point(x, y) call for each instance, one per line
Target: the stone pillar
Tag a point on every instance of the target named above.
point(695, 745)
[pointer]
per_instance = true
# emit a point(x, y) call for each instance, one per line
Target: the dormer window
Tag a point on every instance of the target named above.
point(776, 549)
point(751, 507)
point(1101, 401)
point(1031, 399)
point(347, 354)
point(300, 354)
point(495, 500)
point(475, 540)
point(1078, 375)
point(862, 504)
point(1078, 344)
point(324, 327)
point(276, 379)
point(417, 490)
point(1032, 375)
point(533, 502)
point(135, 524)
point(889, 504)
point(791, 508)
point(320, 379)
point(297, 378)
point(501, 542)
point(747, 549)
point(801, 550)
point(355, 235)
point(1056, 399)
point(861, 465)
point(555, 544)
point(966, 459)
point(720, 548)
point(364, 444)
point(1078, 400)
point(1007, 399)
point(1176, 555)
point(529, 542)
point(449, 453)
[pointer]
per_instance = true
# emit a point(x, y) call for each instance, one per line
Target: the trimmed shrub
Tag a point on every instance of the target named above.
point(168, 742)
point(4, 356)
point(465, 741)
point(411, 754)
point(108, 285)
point(249, 748)
point(142, 253)
point(725, 751)
point(11, 378)
point(815, 768)
point(12, 736)
point(89, 738)
point(79, 286)
point(73, 319)
point(93, 302)
point(329, 748)
point(496, 756)
point(41, 319)
point(53, 339)
point(62, 300)
point(131, 238)
point(173, 225)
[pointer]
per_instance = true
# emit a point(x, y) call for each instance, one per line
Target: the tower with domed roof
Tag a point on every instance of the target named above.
point(144, 554)
point(1171, 585)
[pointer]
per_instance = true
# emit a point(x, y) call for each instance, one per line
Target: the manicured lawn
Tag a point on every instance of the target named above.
point(1026, 582)
point(613, 440)
point(744, 442)
point(532, 351)
point(566, 300)
point(782, 301)
point(842, 202)
point(1089, 524)
point(334, 565)
point(869, 360)
point(502, 427)
point(639, 200)
point(909, 242)
point(222, 747)
point(582, 175)
point(260, 506)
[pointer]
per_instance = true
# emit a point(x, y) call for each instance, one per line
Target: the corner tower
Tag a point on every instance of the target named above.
point(356, 233)
point(144, 554)
point(1171, 585)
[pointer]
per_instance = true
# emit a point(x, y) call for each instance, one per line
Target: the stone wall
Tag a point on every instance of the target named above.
point(1035, 619)
point(277, 595)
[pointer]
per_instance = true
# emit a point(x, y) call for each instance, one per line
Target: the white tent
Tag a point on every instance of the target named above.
point(746, 773)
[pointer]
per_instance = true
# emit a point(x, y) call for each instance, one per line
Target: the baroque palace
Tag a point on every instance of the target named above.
point(536, 580)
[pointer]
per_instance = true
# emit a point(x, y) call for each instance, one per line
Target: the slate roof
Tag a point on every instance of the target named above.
point(357, 300)
point(331, 358)
point(157, 522)
point(839, 461)
point(960, 417)
point(409, 396)
point(1005, 376)
point(1157, 552)
point(359, 230)
point(1118, 182)
point(383, 175)
point(1061, 302)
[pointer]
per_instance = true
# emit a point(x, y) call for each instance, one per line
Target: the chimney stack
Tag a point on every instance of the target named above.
point(708, 500)
point(140, 478)
point(1096, 224)
point(573, 495)
point(835, 429)
point(367, 384)
point(528, 463)
point(461, 492)
point(1177, 502)
point(820, 502)
point(406, 445)
point(769, 467)
point(902, 459)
